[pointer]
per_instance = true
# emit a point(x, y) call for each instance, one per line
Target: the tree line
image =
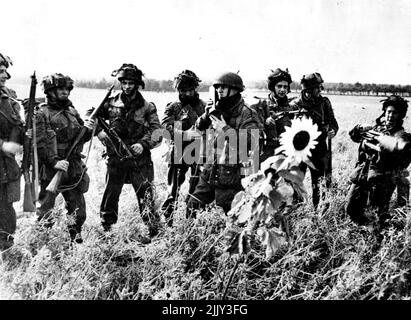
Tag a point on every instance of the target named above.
point(366, 89)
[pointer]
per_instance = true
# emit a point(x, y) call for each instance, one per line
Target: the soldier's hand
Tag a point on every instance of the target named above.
point(270, 122)
point(11, 147)
point(29, 133)
point(102, 136)
point(365, 127)
point(89, 124)
point(217, 124)
point(331, 133)
point(137, 148)
point(62, 165)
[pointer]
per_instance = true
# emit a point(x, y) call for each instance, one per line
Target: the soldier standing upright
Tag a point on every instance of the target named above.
point(179, 117)
point(134, 120)
point(384, 152)
point(221, 179)
point(11, 138)
point(272, 111)
point(58, 125)
point(319, 109)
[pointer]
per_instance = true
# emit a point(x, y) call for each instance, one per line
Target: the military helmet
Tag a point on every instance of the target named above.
point(186, 79)
point(312, 80)
point(397, 102)
point(276, 76)
point(6, 61)
point(229, 79)
point(131, 72)
point(56, 80)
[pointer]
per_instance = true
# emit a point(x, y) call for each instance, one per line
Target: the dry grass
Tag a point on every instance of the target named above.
point(329, 258)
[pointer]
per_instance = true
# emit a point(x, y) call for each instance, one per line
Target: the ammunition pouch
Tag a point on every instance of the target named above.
point(84, 183)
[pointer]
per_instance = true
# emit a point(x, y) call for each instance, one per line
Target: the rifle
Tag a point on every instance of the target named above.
point(30, 189)
point(55, 182)
point(278, 115)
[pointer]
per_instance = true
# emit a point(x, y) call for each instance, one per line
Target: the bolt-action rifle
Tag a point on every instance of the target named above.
point(30, 156)
point(55, 182)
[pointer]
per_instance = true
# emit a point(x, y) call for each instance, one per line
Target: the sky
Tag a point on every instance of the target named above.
point(345, 40)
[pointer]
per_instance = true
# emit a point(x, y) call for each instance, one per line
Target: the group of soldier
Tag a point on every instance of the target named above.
point(125, 124)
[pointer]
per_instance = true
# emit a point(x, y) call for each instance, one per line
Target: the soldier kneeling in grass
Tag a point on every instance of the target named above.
point(384, 152)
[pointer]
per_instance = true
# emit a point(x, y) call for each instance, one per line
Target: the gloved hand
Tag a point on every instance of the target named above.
point(11, 147)
point(62, 165)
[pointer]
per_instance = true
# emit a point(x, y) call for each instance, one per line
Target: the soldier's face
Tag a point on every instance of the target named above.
point(128, 86)
point(224, 91)
point(62, 93)
point(186, 92)
point(391, 115)
point(281, 89)
point(3, 76)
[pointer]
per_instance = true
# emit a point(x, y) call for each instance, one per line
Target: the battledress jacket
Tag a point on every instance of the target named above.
point(11, 129)
point(239, 116)
point(178, 118)
point(134, 120)
point(57, 127)
point(270, 106)
point(373, 164)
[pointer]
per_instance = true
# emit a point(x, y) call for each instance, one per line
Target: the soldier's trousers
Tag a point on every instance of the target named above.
point(375, 196)
point(175, 178)
point(141, 179)
point(403, 189)
point(7, 220)
point(205, 193)
point(316, 175)
point(75, 205)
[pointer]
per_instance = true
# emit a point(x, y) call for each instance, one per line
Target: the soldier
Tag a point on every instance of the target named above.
point(381, 158)
point(179, 117)
point(58, 124)
point(134, 120)
point(319, 109)
point(272, 111)
point(11, 138)
point(219, 180)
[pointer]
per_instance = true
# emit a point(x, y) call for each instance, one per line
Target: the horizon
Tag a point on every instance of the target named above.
point(346, 41)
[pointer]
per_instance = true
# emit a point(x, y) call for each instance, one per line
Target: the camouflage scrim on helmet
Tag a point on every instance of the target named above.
point(276, 76)
point(186, 79)
point(399, 103)
point(312, 80)
point(229, 79)
point(6, 61)
point(56, 80)
point(130, 72)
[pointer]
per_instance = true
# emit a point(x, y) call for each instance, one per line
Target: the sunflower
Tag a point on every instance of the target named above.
point(297, 141)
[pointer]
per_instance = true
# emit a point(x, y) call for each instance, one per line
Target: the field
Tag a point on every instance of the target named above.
point(330, 258)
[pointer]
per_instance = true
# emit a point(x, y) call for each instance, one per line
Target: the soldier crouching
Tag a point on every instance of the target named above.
point(384, 153)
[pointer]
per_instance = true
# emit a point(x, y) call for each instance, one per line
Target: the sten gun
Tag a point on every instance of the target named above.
point(55, 182)
point(121, 149)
